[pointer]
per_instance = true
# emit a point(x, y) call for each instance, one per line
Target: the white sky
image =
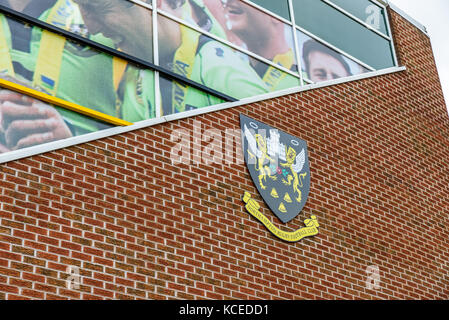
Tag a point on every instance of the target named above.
point(434, 15)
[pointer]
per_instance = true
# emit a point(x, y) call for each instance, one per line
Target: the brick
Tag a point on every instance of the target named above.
point(6, 288)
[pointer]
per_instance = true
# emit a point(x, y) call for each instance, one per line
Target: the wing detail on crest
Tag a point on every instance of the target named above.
point(252, 143)
point(300, 160)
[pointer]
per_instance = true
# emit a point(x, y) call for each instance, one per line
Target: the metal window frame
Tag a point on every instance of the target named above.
point(274, 15)
point(230, 44)
point(393, 47)
point(387, 18)
point(338, 8)
point(143, 4)
point(157, 97)
point(353, 17)
point(406, 16)
point(33, 93)
point(158, 69)
point(295, 39)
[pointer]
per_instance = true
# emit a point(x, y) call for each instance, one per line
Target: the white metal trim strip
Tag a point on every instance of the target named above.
point(380, 4)
point(31, 151)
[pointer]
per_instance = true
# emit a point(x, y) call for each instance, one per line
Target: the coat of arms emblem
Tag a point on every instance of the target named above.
point(279, 167)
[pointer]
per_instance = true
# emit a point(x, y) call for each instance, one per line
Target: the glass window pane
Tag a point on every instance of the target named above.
point(279, 7)
point(343, 32)
point(321, 63)
point(366, 11)
point(119, 24)
point(241, 24)
point(52, 64)
point(214, 65)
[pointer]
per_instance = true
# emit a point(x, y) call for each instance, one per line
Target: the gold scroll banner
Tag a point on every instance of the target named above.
point(311, 228)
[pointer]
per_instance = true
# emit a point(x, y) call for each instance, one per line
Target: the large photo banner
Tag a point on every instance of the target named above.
point(252, 29)
point(321, 63)
point(221, 48)
point(48, 63)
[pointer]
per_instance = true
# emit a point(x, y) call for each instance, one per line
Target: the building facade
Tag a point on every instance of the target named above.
point(116, 214)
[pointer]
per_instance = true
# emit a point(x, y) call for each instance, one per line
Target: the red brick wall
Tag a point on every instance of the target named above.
point(139, 227)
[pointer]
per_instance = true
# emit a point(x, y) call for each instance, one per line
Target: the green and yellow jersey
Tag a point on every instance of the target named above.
point(59, 67)
point(273, 78)
point(276, 79)
point(135, 94)
point(71, 72)
point(211, 64)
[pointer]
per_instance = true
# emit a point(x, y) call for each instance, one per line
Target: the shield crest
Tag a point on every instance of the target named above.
point(279, 167)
